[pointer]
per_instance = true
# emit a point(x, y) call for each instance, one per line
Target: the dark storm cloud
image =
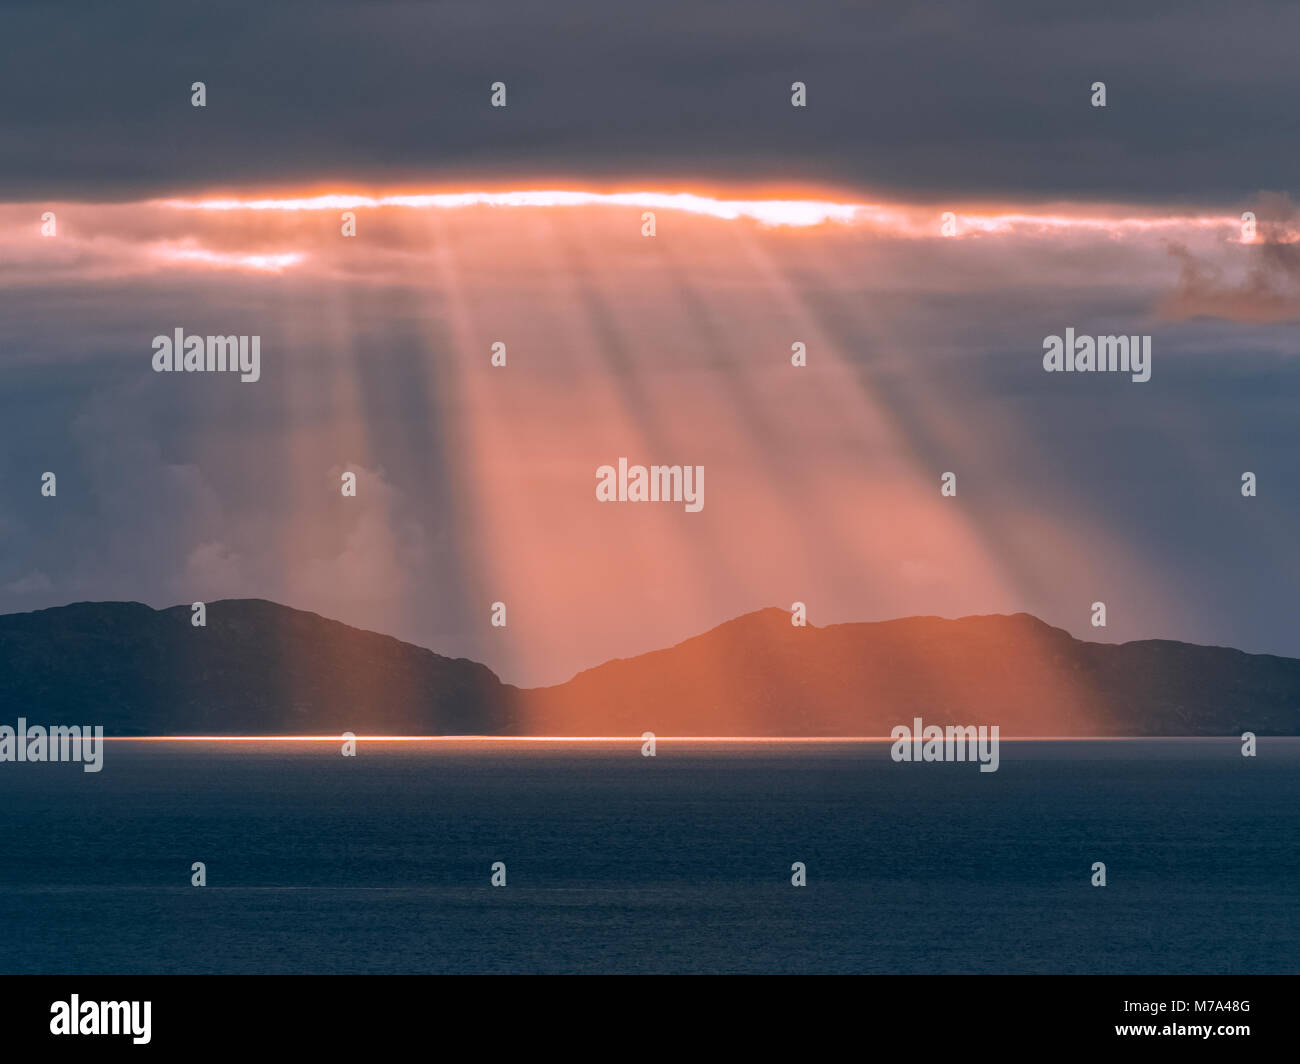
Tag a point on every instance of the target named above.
point(928, 100)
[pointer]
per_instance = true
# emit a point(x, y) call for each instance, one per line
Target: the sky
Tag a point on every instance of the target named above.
point(476, 483)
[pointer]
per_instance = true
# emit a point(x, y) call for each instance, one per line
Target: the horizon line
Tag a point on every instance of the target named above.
point(639, 738)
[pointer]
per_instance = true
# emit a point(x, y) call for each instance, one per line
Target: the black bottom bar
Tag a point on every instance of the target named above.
point(366, 1013)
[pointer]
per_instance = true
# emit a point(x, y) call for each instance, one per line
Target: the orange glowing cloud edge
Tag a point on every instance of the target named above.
point(789, 208)
point(190, 253)
point(785, 208)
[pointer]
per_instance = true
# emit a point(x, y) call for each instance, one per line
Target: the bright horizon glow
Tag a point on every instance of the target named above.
point(631, 738)
point(776, 212)
point(899, 219)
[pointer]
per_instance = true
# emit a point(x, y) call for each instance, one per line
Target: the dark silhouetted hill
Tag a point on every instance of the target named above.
point(257, 668)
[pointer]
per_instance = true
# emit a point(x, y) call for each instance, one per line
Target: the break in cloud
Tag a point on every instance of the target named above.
point(477, 484)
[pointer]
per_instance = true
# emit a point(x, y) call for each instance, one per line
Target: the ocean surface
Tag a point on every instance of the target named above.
point(677, 863)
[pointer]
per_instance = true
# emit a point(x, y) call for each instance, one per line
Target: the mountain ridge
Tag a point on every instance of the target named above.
point(259, 667)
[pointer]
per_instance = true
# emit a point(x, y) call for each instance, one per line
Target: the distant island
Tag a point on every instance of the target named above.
point(260, 668)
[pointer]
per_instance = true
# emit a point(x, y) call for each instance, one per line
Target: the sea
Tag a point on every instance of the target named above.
point(614, 862)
